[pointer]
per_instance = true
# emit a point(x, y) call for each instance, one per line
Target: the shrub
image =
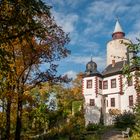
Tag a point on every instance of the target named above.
point(135, 136)
point(94, 127)
point(127, 119)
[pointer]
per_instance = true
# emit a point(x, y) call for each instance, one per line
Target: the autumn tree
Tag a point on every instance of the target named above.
point(29, 39)
point(77, 86)
point(50, 107)
point(70, 105)
point(35, 113)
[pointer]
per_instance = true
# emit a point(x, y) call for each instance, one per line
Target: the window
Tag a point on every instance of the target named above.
point(131, 100)
point(100, 84)
point(92, 102)
point(113, 83)
point(112, 102)
point(129, 82)
point(89, 83)
point(105, 84)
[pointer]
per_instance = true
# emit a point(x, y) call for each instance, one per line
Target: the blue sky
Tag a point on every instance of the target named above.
point(90, 24)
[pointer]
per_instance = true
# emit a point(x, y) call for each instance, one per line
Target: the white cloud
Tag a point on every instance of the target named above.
point(135, 33)
point(71, 74)
point(75, 37)
point(67, 22)
point(74, 3)
point(90, 47)
point(63, 3)
point(100, 13)
point(99, 60)
point(94, 29)
point(101, 9)
point(58, 2)
point(109, 9)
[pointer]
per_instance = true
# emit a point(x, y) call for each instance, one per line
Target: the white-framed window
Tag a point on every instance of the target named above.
point(105, 84)
point(92, 102)
point(131, 100)
point(113, 83)
point(112, 100)
point(89, 83)
point(100, 84)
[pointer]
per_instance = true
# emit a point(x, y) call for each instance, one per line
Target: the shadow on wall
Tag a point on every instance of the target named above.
point(109, 119)
point(92, 114)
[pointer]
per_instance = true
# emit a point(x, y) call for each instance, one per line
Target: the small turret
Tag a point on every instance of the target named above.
point(91, 68)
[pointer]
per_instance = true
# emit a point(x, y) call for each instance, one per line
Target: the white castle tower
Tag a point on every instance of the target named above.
point(116, 50)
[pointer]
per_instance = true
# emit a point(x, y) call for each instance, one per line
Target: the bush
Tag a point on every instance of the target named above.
point(94, 127)
point(127, 119)
point(135, 136)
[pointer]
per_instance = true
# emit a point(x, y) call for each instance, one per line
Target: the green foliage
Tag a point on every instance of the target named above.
point(97, 128)
point(137, 118)
point(127, 119)
point(76, 106)
point(29, 37)
point(135, 62)
point(93, 137)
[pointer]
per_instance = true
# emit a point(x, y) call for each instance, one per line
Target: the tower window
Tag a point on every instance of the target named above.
point(131, 100)
point(113, 83)
point(92, 102)
point(89, 83)
point(105, 84)
point(100, 84)
point(112, 102)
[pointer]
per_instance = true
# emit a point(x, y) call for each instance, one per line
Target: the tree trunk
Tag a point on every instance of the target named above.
point(8, 111)
point(19, 120)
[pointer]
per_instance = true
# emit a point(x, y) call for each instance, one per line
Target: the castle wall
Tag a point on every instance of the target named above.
point(104, 96)
point(92, 112)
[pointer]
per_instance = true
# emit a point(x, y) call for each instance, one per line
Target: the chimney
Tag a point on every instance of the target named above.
point(113, 63)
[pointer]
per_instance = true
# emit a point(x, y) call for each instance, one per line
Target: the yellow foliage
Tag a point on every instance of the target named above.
point(135, 136)
point(114, 111)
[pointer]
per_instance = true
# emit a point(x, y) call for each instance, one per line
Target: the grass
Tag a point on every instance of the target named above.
point(92, 137)
point(87, 137)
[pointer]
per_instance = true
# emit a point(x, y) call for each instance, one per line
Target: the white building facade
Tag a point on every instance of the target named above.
point(109, 93)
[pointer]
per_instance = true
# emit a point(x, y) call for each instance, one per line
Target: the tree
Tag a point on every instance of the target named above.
point(29, 38)
point(51, 106)
point(134, 64)
point(77, 86)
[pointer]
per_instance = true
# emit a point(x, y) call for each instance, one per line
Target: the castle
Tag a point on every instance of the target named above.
point(110, 92)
